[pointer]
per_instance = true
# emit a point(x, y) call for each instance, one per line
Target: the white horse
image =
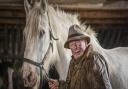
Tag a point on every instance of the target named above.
point(45, 33)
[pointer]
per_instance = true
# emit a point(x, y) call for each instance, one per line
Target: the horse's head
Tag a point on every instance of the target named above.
point(37, 39)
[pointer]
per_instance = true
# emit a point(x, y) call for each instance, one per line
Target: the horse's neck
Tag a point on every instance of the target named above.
point(60, 24)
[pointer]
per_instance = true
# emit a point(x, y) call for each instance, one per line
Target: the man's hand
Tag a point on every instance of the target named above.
point(53, 84)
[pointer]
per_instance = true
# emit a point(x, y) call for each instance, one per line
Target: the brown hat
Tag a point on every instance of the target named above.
point(75, 33)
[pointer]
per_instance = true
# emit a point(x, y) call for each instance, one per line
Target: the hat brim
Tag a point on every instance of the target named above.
point(66, 45)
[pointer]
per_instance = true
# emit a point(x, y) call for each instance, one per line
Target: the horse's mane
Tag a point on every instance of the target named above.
point(63, 21)
point(32, 22)
point(94, 41)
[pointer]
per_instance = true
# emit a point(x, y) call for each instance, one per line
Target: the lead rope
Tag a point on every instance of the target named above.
point(42, 68)
point(51, 44)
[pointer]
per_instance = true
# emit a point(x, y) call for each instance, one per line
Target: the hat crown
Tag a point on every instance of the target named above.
point(74, 30)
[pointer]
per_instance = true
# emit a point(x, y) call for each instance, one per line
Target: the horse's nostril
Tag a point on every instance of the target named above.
point(30, 80)
point(29, 77)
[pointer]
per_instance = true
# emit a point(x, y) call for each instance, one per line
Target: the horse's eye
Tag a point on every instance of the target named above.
point(41, 34)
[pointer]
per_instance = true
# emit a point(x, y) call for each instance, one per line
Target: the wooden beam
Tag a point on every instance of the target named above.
point(75, 1)
point(100, 14)
point(13, 6)
point(12, 21)
point(58, 1)
point(12, 14)
point(105, 21)
point(11, 1)
point(101, 6)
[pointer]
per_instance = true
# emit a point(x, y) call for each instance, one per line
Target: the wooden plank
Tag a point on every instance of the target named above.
point(11, 14)
point(99, 14)
point(105, 21)
point(94, 6)
point(12, 26)
point(11, 1)
point(75, 1)
point(12, 6)
point(99, 27)
point(83, 1)
point(64, 1)
point(12, 21)
point(58, 1)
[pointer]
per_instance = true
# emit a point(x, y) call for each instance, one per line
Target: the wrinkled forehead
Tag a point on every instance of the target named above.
point(77, 41)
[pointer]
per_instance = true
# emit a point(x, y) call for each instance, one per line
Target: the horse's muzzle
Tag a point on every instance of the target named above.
point(29, 78)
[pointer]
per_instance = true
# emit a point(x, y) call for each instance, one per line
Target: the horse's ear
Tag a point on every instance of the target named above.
point(27, 6)
point(44, 4)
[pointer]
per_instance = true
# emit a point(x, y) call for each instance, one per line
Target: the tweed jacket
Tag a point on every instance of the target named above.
point(88, 72)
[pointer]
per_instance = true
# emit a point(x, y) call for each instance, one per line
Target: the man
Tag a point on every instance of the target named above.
point(87, 69)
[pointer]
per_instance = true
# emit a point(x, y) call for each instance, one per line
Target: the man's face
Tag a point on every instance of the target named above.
point(78, 47)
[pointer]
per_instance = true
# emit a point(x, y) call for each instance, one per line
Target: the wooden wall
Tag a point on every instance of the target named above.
point(106, 19)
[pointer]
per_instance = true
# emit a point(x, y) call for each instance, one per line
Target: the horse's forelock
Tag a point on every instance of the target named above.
point(31, 30)
point(32, 33)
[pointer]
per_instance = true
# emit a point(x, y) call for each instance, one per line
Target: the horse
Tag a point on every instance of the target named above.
point(45, 33)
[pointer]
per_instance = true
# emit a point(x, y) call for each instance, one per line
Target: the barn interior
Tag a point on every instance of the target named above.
point(108, 18)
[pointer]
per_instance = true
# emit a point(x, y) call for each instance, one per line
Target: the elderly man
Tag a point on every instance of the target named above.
point(87, 69)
